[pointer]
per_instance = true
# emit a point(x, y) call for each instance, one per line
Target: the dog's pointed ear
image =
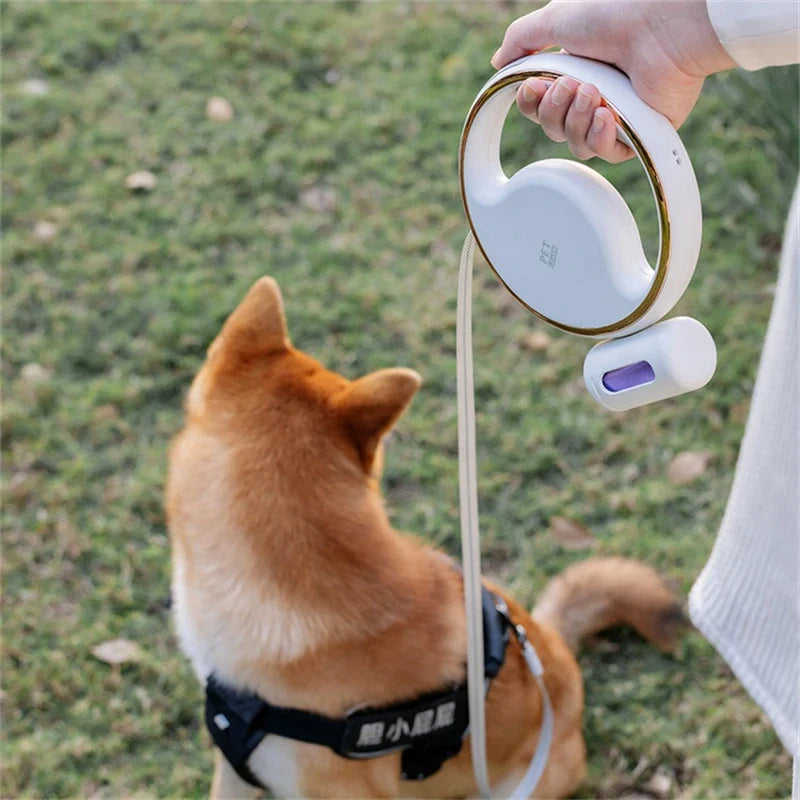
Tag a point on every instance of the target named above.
point(371, 405)
point(258, 324)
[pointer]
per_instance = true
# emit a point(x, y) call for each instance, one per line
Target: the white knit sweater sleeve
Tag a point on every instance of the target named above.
point(746, 602)
point(758, 33)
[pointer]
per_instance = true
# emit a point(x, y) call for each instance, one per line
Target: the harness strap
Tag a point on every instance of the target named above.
point(428, 729)
point(237, 724)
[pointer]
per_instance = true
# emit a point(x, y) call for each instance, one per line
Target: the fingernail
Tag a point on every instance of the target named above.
point(582, 100)
point(561, 93)
point(597, 122)
point(532, 90)
point(494, 57)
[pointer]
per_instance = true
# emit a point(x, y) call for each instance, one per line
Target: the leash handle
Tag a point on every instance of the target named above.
point(471, 557)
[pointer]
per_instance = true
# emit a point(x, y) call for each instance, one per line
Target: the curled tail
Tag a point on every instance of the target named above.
point(600, 592)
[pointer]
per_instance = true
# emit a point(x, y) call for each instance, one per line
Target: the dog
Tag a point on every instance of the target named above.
point(290, 583)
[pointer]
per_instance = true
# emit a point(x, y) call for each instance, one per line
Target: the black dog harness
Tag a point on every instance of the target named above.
point(429, 729)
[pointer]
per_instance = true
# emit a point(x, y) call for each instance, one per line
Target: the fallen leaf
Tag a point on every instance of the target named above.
point(35, 383)
point(714, 419)
point(613, 446)
point(320, 199)
point(625, 499)
point(218, 109)
point(630, 472)
point(44, 231)
point(239, 24)
point(117, 651)
point(688, 466)
point(106, 413)
point(547, 374)
point(660, 784)
point(34, 374)
point(535, 341)
point(35, 87)
point(570, 534)
point(142, 181)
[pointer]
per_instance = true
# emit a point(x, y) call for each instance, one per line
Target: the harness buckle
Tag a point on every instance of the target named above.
point(522, 635)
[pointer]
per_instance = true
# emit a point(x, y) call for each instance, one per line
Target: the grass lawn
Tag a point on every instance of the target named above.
point(336, 175)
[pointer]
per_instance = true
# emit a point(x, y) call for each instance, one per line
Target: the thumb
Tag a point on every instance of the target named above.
point(524, 36)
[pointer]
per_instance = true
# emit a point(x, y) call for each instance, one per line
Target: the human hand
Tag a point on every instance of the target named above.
point(666, 47)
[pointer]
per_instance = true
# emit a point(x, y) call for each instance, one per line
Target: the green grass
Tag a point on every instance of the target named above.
point(366, 102)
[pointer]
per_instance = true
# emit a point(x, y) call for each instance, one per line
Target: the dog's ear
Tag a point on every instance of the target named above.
point(372, 404)
point(258, 324)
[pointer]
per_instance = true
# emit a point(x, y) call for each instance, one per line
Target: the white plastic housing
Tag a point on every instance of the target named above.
point(665, 360)
point(558, 234)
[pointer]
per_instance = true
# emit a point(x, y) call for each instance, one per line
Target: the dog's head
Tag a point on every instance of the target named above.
point(262, 394)
point(273, 437)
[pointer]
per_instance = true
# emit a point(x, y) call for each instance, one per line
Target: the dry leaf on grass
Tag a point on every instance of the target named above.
point(688, 466)
point(320, 199)
point(44, 231)
point(535, 341)
point(117, 651)
point(142, 181)
point(570, 534)
point(34, 374)
point(35, 87)
point(218, 109)
point(35, 382)
point(660, 784)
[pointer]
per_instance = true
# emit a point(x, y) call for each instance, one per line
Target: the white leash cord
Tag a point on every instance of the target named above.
point(470, 537)
point(471, 558)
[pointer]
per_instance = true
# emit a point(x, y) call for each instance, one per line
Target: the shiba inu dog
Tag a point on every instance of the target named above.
point(290, 583)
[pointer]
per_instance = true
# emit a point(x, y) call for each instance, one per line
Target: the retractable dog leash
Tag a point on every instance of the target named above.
point(564, 242)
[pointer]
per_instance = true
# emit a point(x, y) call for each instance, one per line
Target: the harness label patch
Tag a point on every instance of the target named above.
point(374, 732)
point(430, 720)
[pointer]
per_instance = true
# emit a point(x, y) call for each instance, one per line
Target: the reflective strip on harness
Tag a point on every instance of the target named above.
point(428, 729)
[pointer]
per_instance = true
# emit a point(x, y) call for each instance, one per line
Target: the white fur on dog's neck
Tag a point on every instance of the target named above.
point(235, 625)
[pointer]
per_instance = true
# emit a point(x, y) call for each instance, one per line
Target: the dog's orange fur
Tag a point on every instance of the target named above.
point(290, 582)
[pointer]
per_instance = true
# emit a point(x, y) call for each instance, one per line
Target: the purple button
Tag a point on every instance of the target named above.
point(629, 376)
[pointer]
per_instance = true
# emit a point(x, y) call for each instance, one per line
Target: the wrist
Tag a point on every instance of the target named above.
point(685, 28)
point(717, 58)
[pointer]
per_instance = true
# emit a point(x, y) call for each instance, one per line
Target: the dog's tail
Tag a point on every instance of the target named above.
point(600, 592)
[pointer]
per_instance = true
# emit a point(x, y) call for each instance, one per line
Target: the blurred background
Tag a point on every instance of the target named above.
point(157, 159)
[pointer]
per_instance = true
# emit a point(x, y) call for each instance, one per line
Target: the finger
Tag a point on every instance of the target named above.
point(579, 120)
point(529, 95)
point(602, 137)
point(554, 107)
point(526, 35)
